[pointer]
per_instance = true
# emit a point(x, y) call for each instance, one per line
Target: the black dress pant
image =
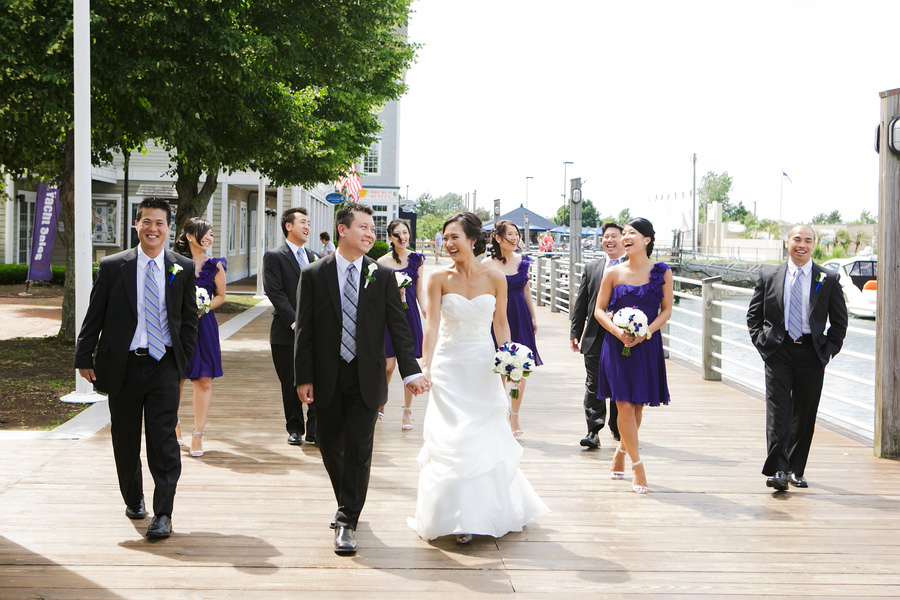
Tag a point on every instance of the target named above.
point(150, 391)
point(595, 408)
point(794, 376)
point(346, 431)
point(283, 357)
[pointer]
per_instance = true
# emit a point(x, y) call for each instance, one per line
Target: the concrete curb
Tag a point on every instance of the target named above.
point(95, 418)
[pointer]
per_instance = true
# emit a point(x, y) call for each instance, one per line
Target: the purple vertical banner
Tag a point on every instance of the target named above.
point(46, 212)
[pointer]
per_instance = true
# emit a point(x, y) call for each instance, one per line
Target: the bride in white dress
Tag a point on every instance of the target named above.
point(470, 482)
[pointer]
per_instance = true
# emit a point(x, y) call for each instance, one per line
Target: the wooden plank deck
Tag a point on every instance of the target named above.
point(251, 517)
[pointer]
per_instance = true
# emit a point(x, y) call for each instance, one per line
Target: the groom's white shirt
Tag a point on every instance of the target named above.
point(342, 265)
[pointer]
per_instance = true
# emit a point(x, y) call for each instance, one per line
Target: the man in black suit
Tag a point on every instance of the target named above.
point(344, 303)
point(586, 330)
point(281, 268)
point(787, 318)
point(142, 320)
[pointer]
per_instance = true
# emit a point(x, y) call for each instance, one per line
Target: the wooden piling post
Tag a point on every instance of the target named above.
point(711, 328)
point(554, 285)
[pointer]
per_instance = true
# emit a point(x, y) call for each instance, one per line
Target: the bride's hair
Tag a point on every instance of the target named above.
point(390, 231)
point(195, 226)
point(499, 230)
point(471, 227)
point(645, 228)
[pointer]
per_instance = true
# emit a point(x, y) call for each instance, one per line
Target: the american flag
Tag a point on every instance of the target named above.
point(350, 181)
point(786, 177)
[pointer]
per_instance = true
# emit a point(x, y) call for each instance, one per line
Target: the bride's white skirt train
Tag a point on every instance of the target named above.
point(470, 480)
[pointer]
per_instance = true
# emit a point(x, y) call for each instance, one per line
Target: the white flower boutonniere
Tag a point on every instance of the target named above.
point(174, 270)
point(370, 275)
point(819, 281)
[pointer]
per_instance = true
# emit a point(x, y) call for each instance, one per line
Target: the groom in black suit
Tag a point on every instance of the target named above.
point(281, 268)
point(787, 316)
point(587, 331)
point(142, 320)
point(343, 305)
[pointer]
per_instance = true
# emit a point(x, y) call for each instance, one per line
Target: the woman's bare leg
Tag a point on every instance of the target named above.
point(202, 399)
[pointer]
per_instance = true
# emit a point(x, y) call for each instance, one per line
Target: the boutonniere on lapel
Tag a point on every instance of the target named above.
point(370, 274)
point(819, 281)
point(315, 257)
point(174, 270)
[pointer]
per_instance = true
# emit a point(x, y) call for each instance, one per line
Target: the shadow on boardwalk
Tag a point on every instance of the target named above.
point(251, 517)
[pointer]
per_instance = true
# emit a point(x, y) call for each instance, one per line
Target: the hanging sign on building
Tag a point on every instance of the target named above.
point(335, 198)
point(44, 233)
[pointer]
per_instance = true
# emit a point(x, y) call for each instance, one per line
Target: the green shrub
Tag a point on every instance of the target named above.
point(839, 252)
point(378, 250)
point(13, 274)
point(818, 254)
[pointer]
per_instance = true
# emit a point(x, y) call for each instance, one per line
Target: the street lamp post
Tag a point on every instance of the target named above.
point(527, 224)
point(564, 180)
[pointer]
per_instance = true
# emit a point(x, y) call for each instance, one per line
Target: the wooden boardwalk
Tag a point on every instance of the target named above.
point(251, 517)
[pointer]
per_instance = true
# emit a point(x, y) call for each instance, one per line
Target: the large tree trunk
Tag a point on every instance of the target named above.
point(66, 333)
point(192, 203)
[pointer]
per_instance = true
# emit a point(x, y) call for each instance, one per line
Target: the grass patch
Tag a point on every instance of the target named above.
point(237, 304)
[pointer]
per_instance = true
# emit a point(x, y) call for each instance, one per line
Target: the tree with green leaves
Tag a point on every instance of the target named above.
point(832, 218)
point(866, 218)
point(716, 188)
point(842, 239)
point(860, 238)
point(589, 214)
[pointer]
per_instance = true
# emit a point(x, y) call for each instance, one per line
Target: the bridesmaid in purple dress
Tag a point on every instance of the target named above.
point(194, 242)
point(638, 380)
point(519, 306)
point(402, 260)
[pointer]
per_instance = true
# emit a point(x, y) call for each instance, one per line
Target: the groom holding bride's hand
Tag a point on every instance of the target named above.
point(344, 302)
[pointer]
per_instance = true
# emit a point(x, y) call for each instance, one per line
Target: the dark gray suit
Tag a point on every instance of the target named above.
point(586, 328)
point(794, 371)
point(139, 386)
point(281, 276)
point(347, 396)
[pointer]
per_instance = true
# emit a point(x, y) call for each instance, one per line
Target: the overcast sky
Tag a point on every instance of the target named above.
point(628, 91)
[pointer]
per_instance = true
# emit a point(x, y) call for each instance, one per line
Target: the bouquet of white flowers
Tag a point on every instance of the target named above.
point(403, 282)
point(514, 361)
point(203, 301)
point(633, 321)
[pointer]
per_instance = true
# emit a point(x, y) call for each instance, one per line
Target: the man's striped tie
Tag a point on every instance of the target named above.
point(348, 309)
point(152, 299)
point(795, 319)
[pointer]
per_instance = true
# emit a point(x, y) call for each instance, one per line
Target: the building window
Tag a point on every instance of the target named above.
point(372, 161)
point(380, 227)
point(242, 236)
point(232, 228)
point(379, 208)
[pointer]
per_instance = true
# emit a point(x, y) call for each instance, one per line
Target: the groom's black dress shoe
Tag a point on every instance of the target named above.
point(310, 439)
point(591, 441)
point(779, 482)
point(138, 511)
point(160, 527)
point(799, 482)
point(344, 541)
point(295, 440)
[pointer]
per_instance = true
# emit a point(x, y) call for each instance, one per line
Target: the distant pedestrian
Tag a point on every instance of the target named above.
point(327, 246)
point(438, 246)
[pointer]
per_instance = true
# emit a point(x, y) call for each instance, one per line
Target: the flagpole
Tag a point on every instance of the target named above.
point(780, 194)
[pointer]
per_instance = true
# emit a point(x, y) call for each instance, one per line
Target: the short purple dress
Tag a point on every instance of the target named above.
point(412, 313)
point(207, 359)
point(521, 329)
point(641, 377)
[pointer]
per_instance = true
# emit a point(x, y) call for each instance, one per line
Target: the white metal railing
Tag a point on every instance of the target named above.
point(552, 286)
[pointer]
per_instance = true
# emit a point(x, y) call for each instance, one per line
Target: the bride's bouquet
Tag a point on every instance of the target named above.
point(203, 301)
point(514, 361)
point(633, 321)
point(403, 282)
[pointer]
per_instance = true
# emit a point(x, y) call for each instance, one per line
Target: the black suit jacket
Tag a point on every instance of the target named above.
point(584, 326)
point(111, 318)
point(319, 326)
point(765, 317)
point(281, 276)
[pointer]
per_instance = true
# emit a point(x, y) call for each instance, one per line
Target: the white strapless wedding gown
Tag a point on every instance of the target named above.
point(470, 480)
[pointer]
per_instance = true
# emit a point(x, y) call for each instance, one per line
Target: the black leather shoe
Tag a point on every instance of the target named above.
point(779, 482)
point(591, 441)
point(344, 541)
point(137, 512)
point(295, 440)
point(310, 439)
point(160, 527)
point(332, 526)
point(799, 482)
point(616, 436)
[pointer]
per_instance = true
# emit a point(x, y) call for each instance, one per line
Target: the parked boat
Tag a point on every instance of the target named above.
point(855, 275)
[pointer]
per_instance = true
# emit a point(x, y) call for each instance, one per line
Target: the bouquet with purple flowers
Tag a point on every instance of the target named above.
point(514, 361)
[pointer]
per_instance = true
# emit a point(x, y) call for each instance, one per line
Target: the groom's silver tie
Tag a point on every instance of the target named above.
point(348, 309)
point(795, 320)
point(155, 345)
